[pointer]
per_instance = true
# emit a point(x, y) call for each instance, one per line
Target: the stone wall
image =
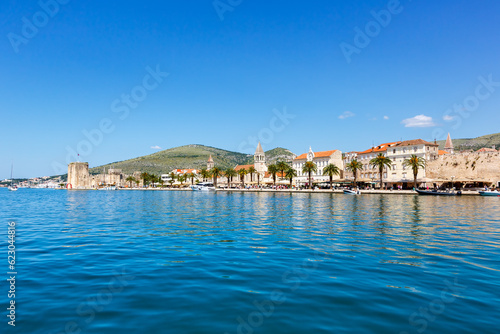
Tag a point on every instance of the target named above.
point(466, 166)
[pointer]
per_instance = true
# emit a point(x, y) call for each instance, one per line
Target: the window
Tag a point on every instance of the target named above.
point(394, 151)
point(404, 150)
point(393, 167)
point(415, 149)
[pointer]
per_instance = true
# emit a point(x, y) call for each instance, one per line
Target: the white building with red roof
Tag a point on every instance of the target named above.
point(321, 159)
point(370, 173)
point(401, 175)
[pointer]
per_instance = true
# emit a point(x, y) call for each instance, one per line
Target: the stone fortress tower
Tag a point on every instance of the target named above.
point(78, 175)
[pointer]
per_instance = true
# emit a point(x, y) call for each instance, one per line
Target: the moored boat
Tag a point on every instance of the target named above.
point(438, 193)
point(12, 187)
point(351, 192)
point(203, 186)
point(494, 193)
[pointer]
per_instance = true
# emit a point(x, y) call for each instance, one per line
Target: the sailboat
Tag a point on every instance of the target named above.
point(12, 187)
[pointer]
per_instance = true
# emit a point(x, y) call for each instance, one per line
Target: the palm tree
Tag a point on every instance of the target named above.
point(251, 171)
point(191, 176)
point(242, 172)
point(130, 179)
point(181, 179)
point(160, 180)
point(273, 170)
point(205, 174)
point(172, 178)
point(145, 178)
point(282, 167)
point(309, 168)
point(153, 179)
point(230, 173)
point(331, 170)
point(290, 173)
point(353, 167)
point(414, 163)
point(137, 183)
point(215, 173)
point(380, 162)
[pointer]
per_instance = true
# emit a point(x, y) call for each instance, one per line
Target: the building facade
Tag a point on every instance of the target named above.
point(321, 159)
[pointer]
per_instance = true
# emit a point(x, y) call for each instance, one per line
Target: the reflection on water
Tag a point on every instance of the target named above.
point(201, 260)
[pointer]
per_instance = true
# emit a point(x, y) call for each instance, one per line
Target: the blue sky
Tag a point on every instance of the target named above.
point(136, 76)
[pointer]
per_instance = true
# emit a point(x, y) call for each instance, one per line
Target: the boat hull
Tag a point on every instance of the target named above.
point(490, 193)
point(438, 193)
point(351, 192)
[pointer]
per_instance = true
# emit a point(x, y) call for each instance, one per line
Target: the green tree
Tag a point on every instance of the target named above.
point(331, 170)
point(130, 179)
point(230, 173)
point(282, 167)
point(153, 179)
point(309, 168)
point(160, 180)
point(242, 172)
point(191, 176)
point(353, 167)
point(415, 163)
point(273, 170)
point(172, 178)
point(380, 162)
point(251, 171)
point(290, 173)
point(181, 179)
point(215, 173)
point(205, 174)
point(145, 178)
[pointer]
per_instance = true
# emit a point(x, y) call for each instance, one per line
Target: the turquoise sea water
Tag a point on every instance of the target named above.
point(195, 262)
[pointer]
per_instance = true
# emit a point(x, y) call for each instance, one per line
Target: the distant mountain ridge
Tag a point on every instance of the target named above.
point(190, 156)
point(474, 144)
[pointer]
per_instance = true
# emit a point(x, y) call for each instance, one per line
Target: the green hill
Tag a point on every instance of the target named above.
point(279, 154)
point(474, 143)
point(189, 156)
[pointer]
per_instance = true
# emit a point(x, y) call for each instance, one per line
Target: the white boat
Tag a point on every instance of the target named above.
point(203, 186)
point(107, 188)
point(351, 192)
point(12, 187)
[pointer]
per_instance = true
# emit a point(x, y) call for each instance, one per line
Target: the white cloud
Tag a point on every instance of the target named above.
point(419, 121)
point(347, 114)
point(448, 118)
point(156, 147)
point(386, 117)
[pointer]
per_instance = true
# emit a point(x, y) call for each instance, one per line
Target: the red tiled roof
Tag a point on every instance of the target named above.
point(237, 168)
point(441, 152)
point(415, 142)
point(486, 149)
point(183, 171)
point(322, 154)
point(380, 148)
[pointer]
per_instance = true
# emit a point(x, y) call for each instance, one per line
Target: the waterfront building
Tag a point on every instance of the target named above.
point(399, 175)
point(259, 163)
point(321, 159)
point(370, 174)
point(80, 178)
